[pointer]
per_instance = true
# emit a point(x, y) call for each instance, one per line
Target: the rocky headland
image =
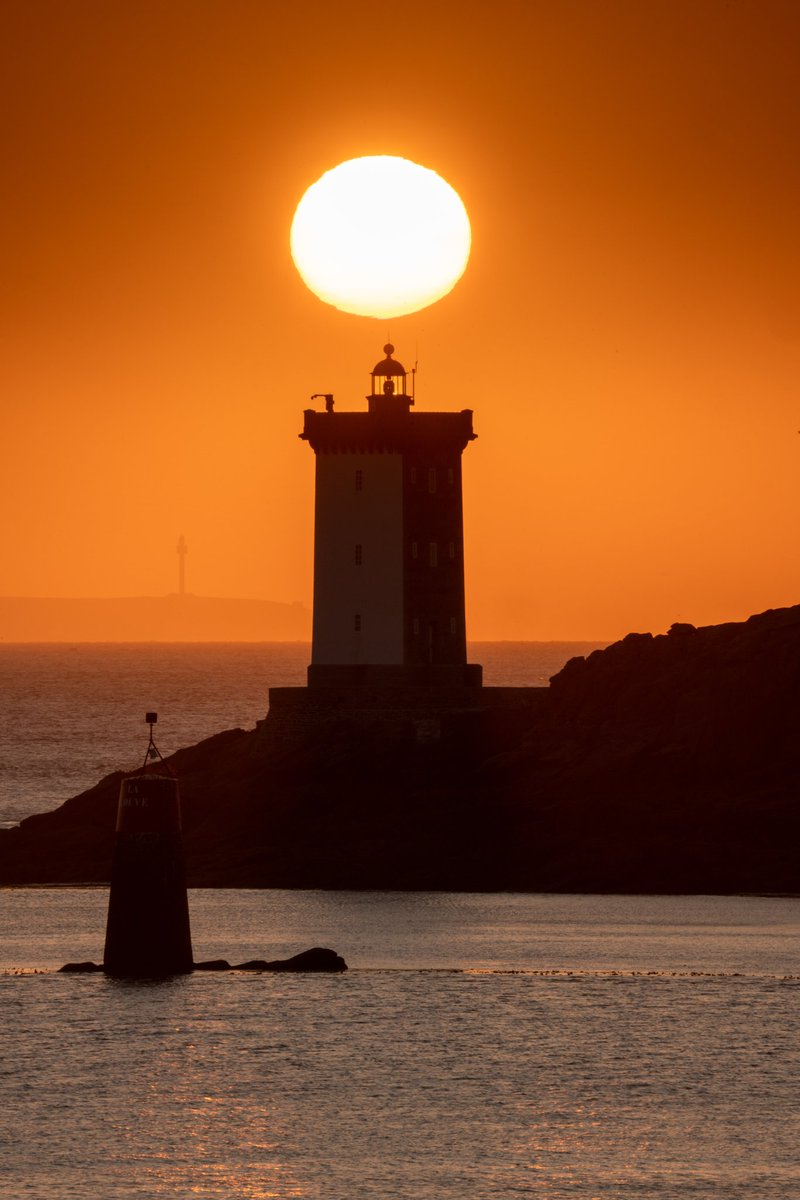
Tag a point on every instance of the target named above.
point(659, 764)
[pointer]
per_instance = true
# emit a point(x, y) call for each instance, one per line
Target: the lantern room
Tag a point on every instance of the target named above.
point(389, 392)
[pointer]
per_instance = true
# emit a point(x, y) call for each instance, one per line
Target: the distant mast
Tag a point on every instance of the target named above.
point(182, 550)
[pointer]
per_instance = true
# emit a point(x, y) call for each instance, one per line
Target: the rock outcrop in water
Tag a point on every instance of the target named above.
point(317, 960)
point(660, 764)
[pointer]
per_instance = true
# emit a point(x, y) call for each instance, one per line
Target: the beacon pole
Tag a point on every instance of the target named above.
point(147, 932)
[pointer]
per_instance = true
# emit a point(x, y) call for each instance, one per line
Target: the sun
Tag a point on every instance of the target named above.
point(380, 237)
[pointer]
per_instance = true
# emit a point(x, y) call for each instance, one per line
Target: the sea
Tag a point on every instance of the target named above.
point(479, 1045)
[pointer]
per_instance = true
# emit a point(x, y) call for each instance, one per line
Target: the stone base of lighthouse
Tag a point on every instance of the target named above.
point(420, 713)
point(393, 676)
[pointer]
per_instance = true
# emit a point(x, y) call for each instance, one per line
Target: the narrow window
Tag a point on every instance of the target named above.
point(433, 550)
point(414, 550)
point(453, 625)
point(359, 554)
point(416, 626)
point(359, 481)
point(357, 623)
point(431, 479)
point(413, 475)
point(450, 476)
point(452, 549)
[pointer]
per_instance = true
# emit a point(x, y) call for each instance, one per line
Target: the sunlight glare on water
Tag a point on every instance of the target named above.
point(480, 1046)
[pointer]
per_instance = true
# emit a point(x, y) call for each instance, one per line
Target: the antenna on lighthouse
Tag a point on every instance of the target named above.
point(182, 550)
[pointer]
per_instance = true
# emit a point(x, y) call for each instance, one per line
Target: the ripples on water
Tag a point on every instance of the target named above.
point(428, 1070)
point(72, 714)
point(480, 1046)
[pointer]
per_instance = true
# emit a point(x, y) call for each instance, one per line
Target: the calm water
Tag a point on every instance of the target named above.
point(480, 1046)
point(70, 714)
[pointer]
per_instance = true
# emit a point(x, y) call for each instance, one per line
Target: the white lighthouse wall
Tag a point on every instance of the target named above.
point(370, 517)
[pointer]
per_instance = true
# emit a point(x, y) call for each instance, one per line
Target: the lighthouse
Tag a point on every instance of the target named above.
point(388, 540)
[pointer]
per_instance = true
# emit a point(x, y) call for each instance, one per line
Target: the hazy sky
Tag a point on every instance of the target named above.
point(627, 331)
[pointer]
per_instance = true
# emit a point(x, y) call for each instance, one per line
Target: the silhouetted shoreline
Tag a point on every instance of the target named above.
point(660, 764)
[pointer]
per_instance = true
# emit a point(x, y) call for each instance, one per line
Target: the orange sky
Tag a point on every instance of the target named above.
point(627, 332)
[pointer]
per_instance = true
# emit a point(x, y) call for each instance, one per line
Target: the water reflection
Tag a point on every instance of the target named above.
point(562, 1078)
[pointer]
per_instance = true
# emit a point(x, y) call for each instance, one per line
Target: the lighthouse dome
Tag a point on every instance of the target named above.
point(388, 366)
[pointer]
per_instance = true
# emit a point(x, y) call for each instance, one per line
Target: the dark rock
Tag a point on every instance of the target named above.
point(81, 968)
point(658, 764)
point(571, 667)
point(213, 964)
point(318, 959)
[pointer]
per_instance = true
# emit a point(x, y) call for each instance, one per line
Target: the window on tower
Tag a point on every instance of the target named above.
point(359, 555)
point(357, 623)
point(413, 475)
point(431, 479)
point(359, 481)
point(453, 625)
point(433, 552)
point(450, 476)
point(452, 549)
point(414, 549)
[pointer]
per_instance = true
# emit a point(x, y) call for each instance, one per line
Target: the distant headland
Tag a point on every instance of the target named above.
point(658, 764)
point(172, 618)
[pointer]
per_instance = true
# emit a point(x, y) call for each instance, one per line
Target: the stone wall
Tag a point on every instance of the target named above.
point(424, 714)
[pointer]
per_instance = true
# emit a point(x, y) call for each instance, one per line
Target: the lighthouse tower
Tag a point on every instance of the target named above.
point(389, 541)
